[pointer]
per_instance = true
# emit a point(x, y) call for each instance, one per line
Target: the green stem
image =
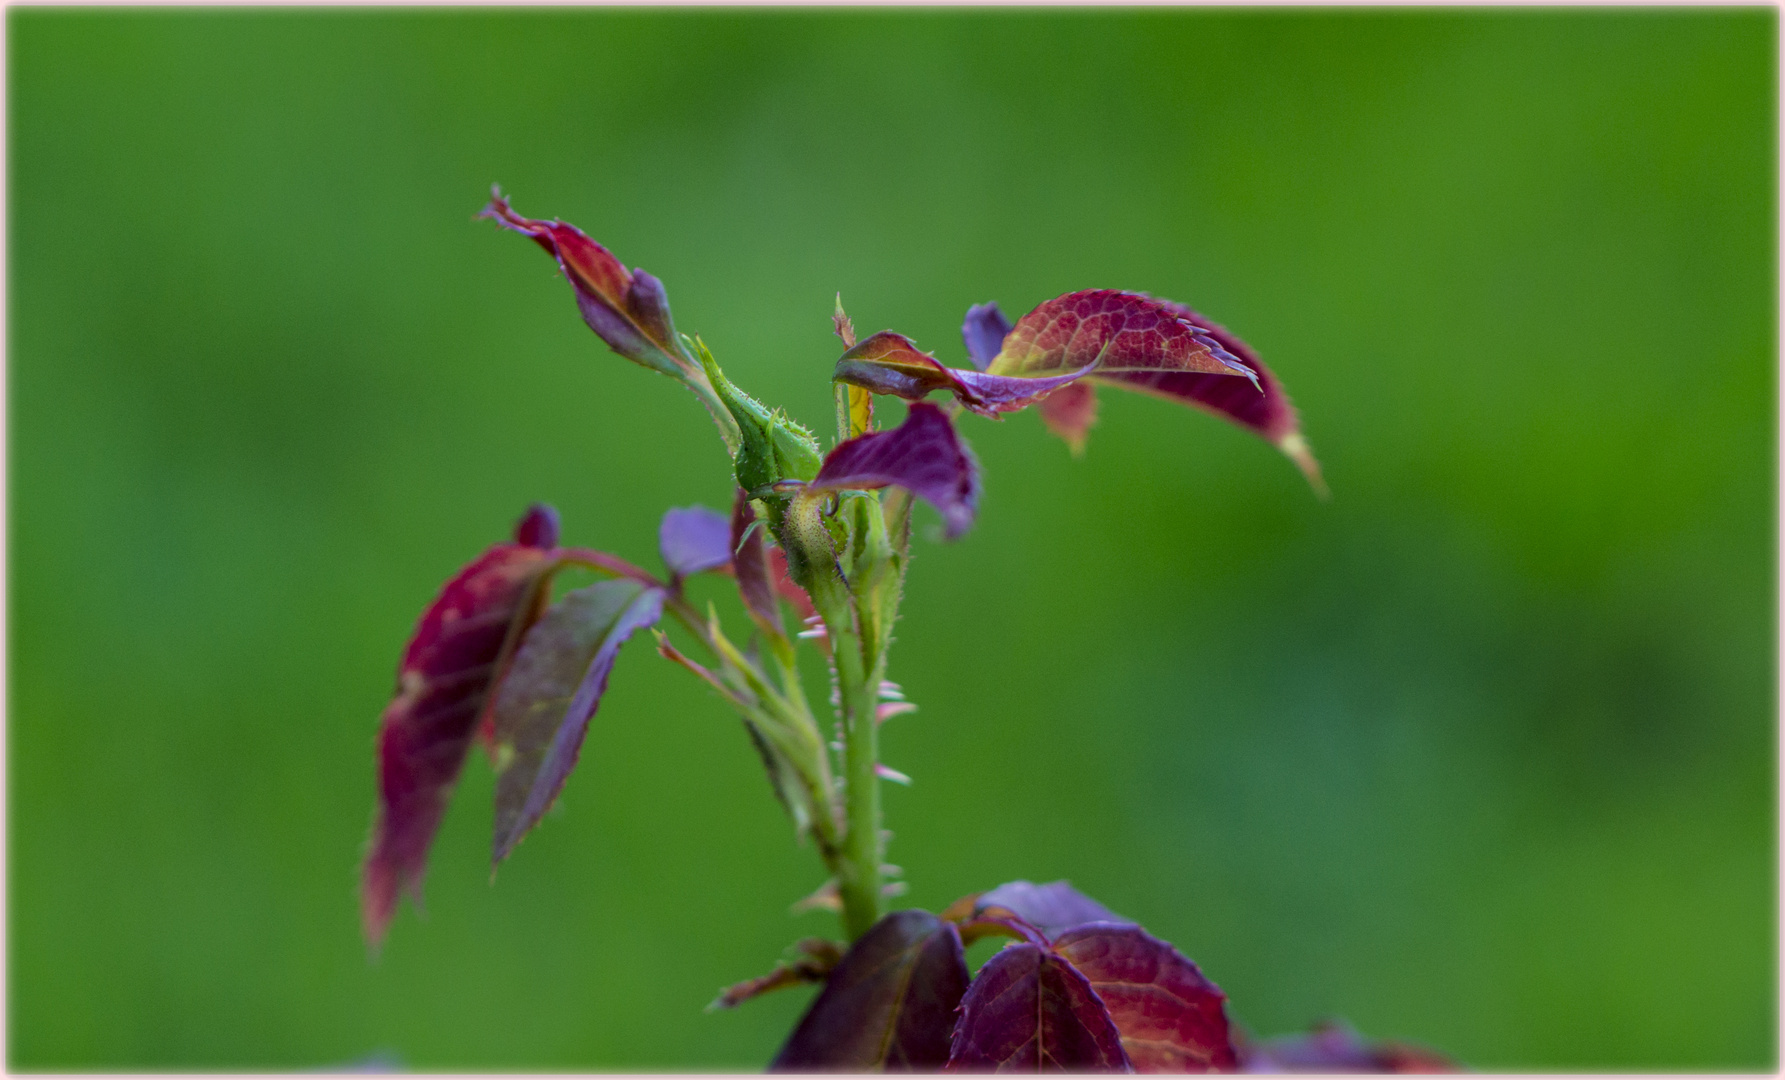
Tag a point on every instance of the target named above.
point(858, 863)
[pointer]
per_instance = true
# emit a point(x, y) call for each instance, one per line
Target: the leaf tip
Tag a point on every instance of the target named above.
point(538, 527)
point(1296, 448)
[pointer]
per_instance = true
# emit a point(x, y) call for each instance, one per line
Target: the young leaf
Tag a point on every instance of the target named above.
point(1333, 1046)
point(460, 650)
point(1171, 1018)
point(626, 309)
point(1117, 331)
point(1029, 1010)
point(756, 583)
point(694, 539)
point(922, 455)
point(888, 363)
point(543, 707)
point(1051, 908)
point(1071, 412)
point(984, 333)
point(889, 1006)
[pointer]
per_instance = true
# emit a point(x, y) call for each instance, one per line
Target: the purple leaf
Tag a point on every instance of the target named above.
point(1029, 1010)
point(459, 651)
point(554, 686)
point(984, 333)
point(1171, 1018)
point(1335, 1047)
point(922, 455)
point(628, 310)
point(1050, 908)
point(888, 363)
point(756, 582)
point(889, 1005)
point(694, 539)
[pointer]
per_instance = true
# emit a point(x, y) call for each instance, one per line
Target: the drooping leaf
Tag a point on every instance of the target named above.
point(888, 363)
point(756, 583)
point(922, 455)
point(1029, 1010)
point(693, 539)
point(1116, 331)
point(1052, 908)
point(1071, 412)
point(1335, 1047)
point(1171, 1018)
point(459, 651)
point(984, 333)
point(889, 1005)
point(627, 309)
point(1268, 414)
point(555, 684)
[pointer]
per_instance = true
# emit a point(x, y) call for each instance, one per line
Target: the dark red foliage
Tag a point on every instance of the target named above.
point(459, 650)
point(1030, 1010)
point(890, 1004)
point(1171, 1018)
point(1051, 908)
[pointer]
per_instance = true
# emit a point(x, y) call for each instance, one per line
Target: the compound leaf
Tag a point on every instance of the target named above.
point(889, 1005)
point(543, 707)
point(459, 651)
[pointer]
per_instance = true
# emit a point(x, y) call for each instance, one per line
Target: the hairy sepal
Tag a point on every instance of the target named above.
point(888, 1006)
point(543, 707)
point(460, 650)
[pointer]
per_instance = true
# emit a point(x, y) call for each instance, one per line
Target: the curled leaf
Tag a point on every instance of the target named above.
point(543, 707)
point(460, 650)
point(1030, 1010)
point(889, 1005)
point(922, 455)
point(627, 309)
point(694, 539)
point(888, 363)
point(984, 333)
point(1171, 1018)
point(1052, 908)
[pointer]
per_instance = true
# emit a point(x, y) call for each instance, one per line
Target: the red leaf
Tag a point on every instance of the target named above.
point(459, 651)
point(1071, 412)
point(1171, 1018)
point(756, 583)
point(1029, 1010)
point(888, 1006)
point(1052, 908)
point(888, 363)
point(1117, 331)
point(694, 539)
point(922, 455)
point(543, 707)
point(628, 310)
point(1334, 1047)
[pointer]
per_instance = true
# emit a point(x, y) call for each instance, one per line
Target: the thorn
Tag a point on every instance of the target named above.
point(812, 634)
point(823, 898)
point(887, 772)
point(893, 708)
point(894, 888)
point(891, 691)
point(892, 871)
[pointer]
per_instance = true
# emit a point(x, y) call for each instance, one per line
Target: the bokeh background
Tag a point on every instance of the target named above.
point(1479, 753)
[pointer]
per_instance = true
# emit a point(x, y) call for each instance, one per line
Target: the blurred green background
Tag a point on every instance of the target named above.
point(1480, 753)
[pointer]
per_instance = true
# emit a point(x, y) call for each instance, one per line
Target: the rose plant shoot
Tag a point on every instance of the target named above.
point(817, 542)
